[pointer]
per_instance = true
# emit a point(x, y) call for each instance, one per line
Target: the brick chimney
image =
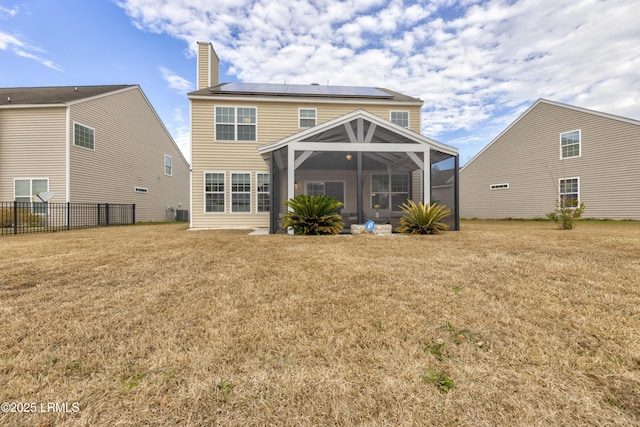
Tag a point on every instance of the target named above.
point(208, 66)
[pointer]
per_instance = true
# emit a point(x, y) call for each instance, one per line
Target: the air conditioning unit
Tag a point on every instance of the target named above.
point(182, 215)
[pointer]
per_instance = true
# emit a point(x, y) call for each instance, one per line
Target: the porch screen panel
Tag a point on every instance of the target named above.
point(443, 184)
point(279, 188)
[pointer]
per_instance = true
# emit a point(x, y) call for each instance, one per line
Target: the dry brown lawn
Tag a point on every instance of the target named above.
point(157, 325)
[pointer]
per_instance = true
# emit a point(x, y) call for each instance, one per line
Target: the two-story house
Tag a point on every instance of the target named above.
point(555, 152)
point(254, 146)
point(90, 144)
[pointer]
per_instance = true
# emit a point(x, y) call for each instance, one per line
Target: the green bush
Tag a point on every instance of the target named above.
point(313, 215)
point(566, 214)
point(423, 219)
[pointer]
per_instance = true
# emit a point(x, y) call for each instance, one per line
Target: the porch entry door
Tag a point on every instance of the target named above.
point(329, 188)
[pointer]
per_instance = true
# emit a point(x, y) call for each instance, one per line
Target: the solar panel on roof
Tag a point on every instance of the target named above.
point(309, 90)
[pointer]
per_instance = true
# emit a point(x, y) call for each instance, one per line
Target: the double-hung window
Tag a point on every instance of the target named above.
point(26, 190)
point(240, 192)
point(84, 136)
point(570, 144)
point(263, 192)
point(168, 161)
point(401, 118)
point(236, 124)
point(214, 192)
point(307, 117)
point(569, 192)
point(389, 191)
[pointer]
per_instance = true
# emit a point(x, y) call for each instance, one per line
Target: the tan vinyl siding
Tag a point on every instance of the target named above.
point(527, 157)
point(130, 145)
point(32, 145)
point(348, 177)
point(275, 120)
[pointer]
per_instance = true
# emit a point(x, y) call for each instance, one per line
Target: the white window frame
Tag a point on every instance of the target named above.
point(258, 192)
point(170, 165)
point(579, 144)
point(389, 192)
point(306, 187)
point(404, 112)
point(74, 136)
point(300, 118)
point(324, 190)
point(503, 186)
point(223, 192)
point(33, 200)
point(235, 123)
point(562, 193)
point(232, 192)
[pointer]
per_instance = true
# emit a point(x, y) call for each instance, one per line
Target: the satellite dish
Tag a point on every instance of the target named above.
point(45, 196)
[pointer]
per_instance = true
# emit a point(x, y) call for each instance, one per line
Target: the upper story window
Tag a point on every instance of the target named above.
point(83, 136)
point(236, 124)
point(168, 165)
point(401, 118)
point(570, 144)
point(307, 117)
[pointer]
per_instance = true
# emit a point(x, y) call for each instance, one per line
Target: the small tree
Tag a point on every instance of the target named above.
point(566, 214)
point(423, 219)
point(313, 215)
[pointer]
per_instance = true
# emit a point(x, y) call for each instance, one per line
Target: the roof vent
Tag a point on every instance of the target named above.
point(315, 84)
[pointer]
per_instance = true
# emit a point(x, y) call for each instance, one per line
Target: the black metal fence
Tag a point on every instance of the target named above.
point(38, 217)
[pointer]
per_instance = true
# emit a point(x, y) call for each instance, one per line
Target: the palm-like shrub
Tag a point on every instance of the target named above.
point(313, 215)
point(423, 219)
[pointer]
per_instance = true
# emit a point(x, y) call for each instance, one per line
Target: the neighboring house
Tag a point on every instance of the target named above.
point(254, 146)
point(551, 152)
point(91, 144)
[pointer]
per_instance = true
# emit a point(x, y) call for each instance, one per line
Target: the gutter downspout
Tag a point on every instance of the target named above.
point(68, 155)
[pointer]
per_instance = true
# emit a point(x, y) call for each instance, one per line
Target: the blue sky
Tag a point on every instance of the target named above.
point(476, 64)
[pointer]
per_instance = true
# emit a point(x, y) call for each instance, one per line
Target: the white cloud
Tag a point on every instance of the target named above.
point(25, 50)
point(8, 12)
point(180, 84)
point(474, 63)
point(21, 48)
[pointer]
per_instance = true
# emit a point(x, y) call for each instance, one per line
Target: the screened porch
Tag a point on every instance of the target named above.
point(371, 165)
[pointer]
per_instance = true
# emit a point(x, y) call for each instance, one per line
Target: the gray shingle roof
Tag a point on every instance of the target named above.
point(53, 95)
point(292, 90)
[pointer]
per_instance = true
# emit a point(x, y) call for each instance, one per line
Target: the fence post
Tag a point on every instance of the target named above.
point(106, 214)
point(68, 215)
point(133, 214)
point(15, 217)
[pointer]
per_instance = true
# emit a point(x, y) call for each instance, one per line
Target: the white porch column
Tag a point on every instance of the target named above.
point(426, 178)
